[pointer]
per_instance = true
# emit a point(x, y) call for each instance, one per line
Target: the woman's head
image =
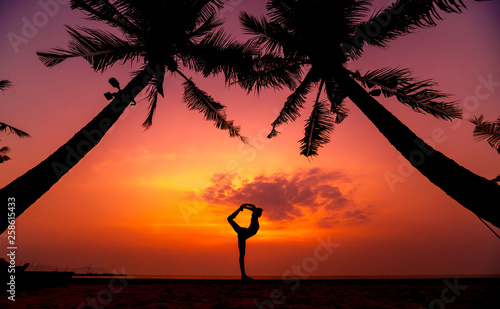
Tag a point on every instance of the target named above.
point(257, 212)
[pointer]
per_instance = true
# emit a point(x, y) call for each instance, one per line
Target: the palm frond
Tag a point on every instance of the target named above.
point(100, 48)
point(281, 11)
point(152, 95)
point(4, 84)
point(403, 17)
point(253, 25)
point(105, 11)
point(218, 53)
point(155, 89)
point(4, 150)
point(294, 102)
point(12, 130)
point(270, 71)
point(355, 11)
point(336, 97)
point(318, 128)
point(270, 36)
point(212, 110)
point(206, 8)
point(487, 130)
point(421, 96)
point(304, 27)
point(207, 27)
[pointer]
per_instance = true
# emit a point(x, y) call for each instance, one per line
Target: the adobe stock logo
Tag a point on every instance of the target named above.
point(31, 26)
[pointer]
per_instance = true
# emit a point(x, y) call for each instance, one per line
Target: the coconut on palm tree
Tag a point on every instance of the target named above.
point(174, 36)
point(4, 84)
point(306, 45)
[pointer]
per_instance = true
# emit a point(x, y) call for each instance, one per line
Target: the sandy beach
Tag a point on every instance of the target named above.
point(193, 293)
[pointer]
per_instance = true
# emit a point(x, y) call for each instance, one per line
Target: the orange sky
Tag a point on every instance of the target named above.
point(156, 201)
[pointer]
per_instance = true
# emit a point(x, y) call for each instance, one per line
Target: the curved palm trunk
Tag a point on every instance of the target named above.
point(474, 192)
point(34, 183)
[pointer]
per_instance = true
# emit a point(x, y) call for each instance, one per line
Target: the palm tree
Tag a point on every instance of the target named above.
point(308, 43)
point(4, 84)
point(162, 35)
point(489, 130)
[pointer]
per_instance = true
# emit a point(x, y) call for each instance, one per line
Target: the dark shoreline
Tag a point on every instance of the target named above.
point(172, 293)
point(290, 280)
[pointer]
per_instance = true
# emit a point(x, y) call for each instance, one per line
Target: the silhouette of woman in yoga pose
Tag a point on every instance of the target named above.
point(245, 233)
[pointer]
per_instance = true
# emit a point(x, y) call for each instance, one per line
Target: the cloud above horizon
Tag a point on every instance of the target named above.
point(284, 196)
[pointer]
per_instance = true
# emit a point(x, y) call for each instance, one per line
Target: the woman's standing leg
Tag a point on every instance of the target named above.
point(242, 246)
point(242, 241)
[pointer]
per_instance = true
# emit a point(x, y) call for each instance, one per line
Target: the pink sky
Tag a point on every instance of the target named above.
point(156, 201)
